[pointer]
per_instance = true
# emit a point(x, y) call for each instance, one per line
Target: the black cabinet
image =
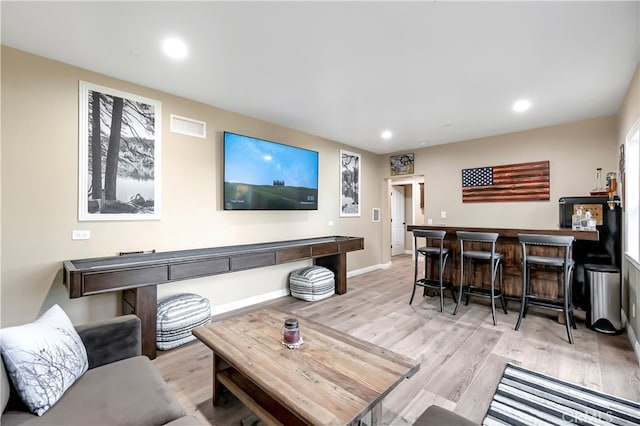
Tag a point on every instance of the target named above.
point(606, 251)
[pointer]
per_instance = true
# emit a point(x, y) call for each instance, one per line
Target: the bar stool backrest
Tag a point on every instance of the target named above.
point(480, 237)
point(564, 241)
point(546, 240)
point(429, 235)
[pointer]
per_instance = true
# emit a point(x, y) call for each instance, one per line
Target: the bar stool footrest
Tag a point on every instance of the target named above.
point(435, 284)
point(552, 304)
point(480, 292)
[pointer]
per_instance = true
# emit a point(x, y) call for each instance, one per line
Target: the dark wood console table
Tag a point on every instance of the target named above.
point(138, 275)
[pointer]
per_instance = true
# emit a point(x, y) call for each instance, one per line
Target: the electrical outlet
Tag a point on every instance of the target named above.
point(330, 223)
point(633, 310)
point(443, 214)
point(429, 221)
point(82, 234)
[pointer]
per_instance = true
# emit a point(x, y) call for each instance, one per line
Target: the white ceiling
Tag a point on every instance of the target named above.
point(431, 72)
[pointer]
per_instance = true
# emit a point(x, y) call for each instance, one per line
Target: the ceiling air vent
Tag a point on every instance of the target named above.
point(188, 126)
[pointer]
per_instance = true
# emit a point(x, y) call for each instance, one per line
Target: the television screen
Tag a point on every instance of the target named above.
point(263, 175)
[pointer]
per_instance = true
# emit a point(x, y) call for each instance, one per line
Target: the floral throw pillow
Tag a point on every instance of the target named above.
point(43, 358)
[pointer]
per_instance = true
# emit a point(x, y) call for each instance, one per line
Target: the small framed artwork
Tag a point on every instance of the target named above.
point(350, 184)
point(119, 155)
point(401, 164)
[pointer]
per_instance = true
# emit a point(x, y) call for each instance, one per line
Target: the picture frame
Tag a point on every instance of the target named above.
point(350, 184)
point(123, 182)
point(401, 164)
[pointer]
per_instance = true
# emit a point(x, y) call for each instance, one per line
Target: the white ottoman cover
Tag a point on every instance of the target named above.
point(177, 316)
point(312, 283)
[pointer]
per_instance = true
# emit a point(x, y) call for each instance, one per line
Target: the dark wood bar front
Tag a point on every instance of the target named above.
point(137, 276)
point(542, 283)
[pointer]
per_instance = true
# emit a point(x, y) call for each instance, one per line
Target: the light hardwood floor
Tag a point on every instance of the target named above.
point(462, 357)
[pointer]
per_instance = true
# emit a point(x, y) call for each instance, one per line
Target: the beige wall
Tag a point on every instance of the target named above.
point(629, 116)
point(40, 196)
point(574, 150)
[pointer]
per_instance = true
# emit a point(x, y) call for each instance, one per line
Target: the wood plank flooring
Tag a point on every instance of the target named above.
point(462, 357)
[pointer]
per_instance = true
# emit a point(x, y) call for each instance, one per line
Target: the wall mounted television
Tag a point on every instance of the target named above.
point(264, 175)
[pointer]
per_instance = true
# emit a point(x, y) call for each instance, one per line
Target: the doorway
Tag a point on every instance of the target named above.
point(398, 221)
point(404, 207)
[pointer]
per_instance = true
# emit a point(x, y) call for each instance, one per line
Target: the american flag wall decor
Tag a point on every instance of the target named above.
point(510, 182)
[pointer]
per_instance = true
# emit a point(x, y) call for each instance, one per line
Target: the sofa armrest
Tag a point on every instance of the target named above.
point(438, 416)
point(111, 340)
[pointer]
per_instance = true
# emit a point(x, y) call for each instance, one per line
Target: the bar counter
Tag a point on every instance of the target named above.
point(542, 283)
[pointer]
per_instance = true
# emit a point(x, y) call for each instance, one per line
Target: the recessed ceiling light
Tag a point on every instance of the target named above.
point(386, 134)
point(522, 105)
point(175, 48)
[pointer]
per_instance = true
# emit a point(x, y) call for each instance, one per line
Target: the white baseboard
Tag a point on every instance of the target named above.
point(385, 265)
point(633, 339)
point(368, 269)
point(220, 309)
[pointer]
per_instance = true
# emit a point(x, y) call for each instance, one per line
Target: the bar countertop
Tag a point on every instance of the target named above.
point(511, 232)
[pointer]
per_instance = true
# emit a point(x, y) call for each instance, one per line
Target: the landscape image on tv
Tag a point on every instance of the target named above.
point(264, 175)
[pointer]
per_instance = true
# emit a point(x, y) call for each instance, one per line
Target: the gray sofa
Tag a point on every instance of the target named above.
point(438, 416)
point(120, 388)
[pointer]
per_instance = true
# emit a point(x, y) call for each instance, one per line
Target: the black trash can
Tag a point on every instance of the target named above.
point(603, 284)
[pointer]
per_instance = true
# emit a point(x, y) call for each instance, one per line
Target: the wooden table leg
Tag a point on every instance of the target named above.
point(217, 386)
point(376, 414)
point(143, 302)
point(338, 264)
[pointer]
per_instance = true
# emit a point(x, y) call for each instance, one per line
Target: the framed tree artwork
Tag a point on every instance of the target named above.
point(119, 155)
point(349, 184)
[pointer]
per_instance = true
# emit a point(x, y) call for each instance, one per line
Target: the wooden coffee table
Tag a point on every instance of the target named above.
point(332, 379)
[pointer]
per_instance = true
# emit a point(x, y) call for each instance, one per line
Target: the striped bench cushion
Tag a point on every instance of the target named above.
point(312, 283)
point(527, 397)
point(177, 316)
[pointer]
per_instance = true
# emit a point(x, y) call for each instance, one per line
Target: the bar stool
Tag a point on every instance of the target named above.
point(491, 258)
point(563, 265)
point(433, 249)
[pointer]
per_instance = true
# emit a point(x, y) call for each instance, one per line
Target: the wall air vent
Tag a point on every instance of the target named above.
point(188, 126)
